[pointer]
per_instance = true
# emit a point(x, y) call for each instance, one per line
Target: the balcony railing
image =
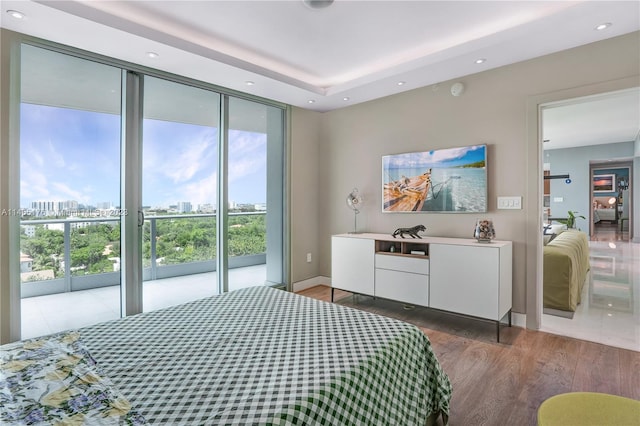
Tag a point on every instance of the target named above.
point(173, 245)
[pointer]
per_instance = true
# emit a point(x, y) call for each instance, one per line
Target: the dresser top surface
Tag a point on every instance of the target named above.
point(427, 240)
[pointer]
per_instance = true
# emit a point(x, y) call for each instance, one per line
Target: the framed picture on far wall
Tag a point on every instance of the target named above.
point(450, 180)
point(604, 183)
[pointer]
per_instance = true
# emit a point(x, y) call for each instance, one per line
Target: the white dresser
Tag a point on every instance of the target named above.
point(450, 274)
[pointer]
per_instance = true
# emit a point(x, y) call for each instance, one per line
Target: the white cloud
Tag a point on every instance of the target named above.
point(34, 156)
point(61, 191)
point(247, 153)
point(54, 157)
point(195, 157)
point(33, 183)
point(198, 192)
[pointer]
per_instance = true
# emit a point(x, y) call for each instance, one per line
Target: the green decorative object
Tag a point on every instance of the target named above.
point(570, 221)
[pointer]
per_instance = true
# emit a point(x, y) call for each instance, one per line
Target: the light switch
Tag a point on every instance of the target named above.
point(558, 199)
point(512, 203)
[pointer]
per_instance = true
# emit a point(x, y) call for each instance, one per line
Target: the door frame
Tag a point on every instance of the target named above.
point(535, 186)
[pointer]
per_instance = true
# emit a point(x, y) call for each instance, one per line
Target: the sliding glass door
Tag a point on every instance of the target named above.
point(179, 185)
point(69, 192)
point(255, 176)
point(138, 192)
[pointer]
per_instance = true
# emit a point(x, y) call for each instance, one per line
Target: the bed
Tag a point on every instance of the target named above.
point(603, 210)
point(251, 356)
point(604, 214)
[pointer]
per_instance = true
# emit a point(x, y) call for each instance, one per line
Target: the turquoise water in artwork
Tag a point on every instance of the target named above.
point(452, 189)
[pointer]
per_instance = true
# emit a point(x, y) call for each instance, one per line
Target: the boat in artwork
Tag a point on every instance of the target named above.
point(407, 194)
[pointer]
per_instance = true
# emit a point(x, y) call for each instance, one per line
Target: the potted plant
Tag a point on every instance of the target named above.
point(570, 221)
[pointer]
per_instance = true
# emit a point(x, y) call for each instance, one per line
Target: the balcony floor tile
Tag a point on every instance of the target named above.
point(63, 311)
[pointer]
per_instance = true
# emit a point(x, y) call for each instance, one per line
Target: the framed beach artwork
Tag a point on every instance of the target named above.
point(449, 180)
point(604, 183)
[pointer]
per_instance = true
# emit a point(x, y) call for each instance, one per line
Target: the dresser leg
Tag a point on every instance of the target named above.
point(332, 294)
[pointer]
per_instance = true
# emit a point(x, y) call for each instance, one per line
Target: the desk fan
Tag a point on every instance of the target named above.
point(354, 200)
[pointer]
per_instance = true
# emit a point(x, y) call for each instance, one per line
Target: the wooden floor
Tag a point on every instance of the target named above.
point(504, 383)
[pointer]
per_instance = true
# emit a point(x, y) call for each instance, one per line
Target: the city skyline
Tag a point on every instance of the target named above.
point(179, 160)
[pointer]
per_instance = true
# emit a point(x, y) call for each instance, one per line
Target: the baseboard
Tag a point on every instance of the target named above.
point(519, 320)
point(311, 282)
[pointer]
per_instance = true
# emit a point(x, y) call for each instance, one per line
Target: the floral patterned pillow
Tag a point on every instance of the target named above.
point(54, 380)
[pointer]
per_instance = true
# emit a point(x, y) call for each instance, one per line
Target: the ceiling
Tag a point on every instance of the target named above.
point(593, 120)
point(347, 53)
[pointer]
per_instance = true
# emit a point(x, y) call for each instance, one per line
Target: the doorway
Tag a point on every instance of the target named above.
point(598, 189)
point(612, 203)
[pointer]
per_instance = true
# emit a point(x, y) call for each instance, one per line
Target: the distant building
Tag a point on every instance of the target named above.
point(45, 208)
point(28, 275)
point(29, 230)
point(105, 205)
point(184, 207)
point(260, 207)
point(78, 225)
point(69, 205)
point(26, 262)
point(244, 207)
point(54, 226)
point(206, 208)
point(53, 208)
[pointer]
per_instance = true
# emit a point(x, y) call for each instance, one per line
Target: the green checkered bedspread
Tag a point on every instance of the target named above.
point(269, 357)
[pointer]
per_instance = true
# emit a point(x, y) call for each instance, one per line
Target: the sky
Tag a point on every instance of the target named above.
point(67, 154)
point(441, 158)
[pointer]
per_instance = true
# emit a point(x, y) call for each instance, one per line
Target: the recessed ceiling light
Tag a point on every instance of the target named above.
point(402, 83)
point(346, 98)
point(317, 4)
point(481, 61)
point(603, 26)
point(15, 14)
point(152, 55)
point(311, 101)
point(249, 83)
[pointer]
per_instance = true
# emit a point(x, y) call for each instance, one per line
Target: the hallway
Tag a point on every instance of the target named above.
point(610, 308)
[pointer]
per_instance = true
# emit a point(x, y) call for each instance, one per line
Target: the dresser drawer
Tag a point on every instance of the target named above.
point(402, 286)
point(416, 265)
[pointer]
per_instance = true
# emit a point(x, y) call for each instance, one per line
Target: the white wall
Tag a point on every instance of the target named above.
point(304, 198)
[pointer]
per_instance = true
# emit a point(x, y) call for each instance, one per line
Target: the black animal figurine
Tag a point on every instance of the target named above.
point(411, 231)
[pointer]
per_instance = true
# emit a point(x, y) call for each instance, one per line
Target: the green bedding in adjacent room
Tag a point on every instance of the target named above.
point(566, 263)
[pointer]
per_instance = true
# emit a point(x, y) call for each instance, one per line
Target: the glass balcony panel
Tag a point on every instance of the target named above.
point(94, 288)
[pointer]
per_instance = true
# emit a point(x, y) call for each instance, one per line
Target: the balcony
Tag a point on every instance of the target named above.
point(178, 266)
